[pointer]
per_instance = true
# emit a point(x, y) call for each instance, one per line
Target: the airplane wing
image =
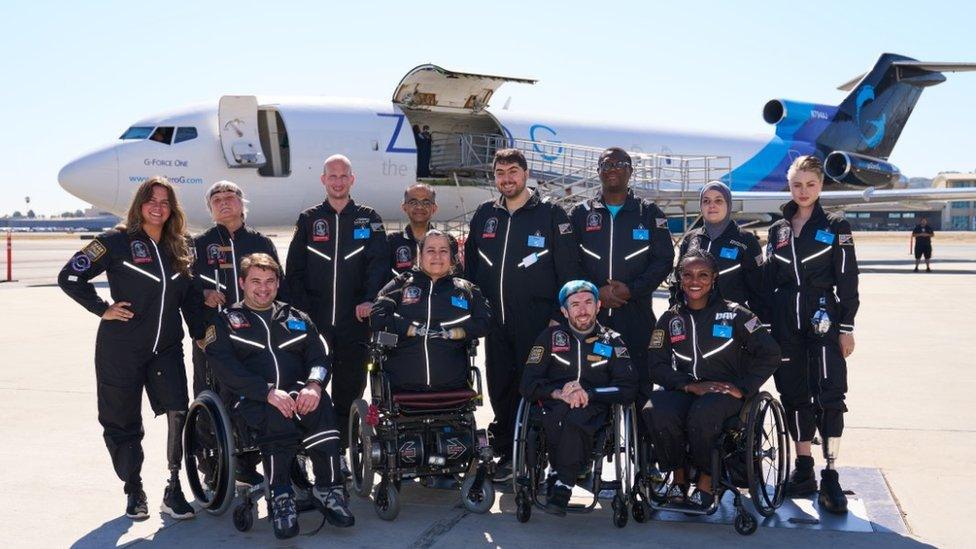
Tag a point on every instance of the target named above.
point(833, 199)
point(872, 196)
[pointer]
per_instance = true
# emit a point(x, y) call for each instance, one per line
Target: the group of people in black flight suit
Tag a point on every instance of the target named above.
point(564, 302)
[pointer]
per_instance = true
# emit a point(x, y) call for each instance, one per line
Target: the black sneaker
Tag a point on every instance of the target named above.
point(333, 504)
point(928, 269)
point(803, 481)
point(344, 467)
point(700, 501)
point(503, 471)
point(832, 498)
point(916, 269)
point(677, 495)
point(559, 500)
point(174, 503)
point(136, 507)
point(284, 517)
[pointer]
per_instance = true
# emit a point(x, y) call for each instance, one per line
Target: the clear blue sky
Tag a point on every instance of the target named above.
point(76, 74)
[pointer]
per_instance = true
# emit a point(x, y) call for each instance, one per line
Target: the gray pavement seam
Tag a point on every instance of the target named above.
point(430, 536)
point(894, 496)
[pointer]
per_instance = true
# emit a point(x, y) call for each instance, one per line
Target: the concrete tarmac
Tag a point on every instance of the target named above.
point(910, 432)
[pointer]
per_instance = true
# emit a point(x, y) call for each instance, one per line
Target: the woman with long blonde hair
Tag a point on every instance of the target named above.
point(140, 337)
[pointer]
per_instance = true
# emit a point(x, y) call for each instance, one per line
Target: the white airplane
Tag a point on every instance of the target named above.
point(274, 147)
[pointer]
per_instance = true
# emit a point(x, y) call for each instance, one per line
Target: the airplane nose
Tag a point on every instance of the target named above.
point(93, 178)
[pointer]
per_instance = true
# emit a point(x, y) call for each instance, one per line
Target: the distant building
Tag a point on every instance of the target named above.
point(892, 219)
point(961, 214)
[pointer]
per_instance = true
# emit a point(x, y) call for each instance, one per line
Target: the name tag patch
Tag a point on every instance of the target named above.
point(361, 233)
point(459, 301)
point(296, 324)
point(537, 241)
point(826, 237)
point(641, 234)
point(723, 331)
point(729, 253)
point(603, 349)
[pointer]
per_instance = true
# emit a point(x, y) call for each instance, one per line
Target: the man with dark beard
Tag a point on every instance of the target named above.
point(577, 369)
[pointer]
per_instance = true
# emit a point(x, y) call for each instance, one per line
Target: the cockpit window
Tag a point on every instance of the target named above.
point(163, 134)
point(137, 132)
point(185, 134)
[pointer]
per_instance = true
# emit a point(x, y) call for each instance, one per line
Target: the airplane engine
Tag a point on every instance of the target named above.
point(796, 113)
point(860, 170)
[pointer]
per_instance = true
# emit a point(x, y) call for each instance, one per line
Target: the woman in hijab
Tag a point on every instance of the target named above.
point(737, 252)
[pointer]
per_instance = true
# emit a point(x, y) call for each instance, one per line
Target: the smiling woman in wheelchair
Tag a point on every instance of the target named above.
point(435, 315)
point(709, 355)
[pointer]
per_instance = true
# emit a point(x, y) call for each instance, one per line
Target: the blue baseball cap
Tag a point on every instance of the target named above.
point(575, 287)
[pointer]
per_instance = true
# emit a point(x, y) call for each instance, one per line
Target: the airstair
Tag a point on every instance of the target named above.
point(569, 174)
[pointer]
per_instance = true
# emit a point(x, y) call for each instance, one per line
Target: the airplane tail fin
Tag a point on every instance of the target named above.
point(871, 118)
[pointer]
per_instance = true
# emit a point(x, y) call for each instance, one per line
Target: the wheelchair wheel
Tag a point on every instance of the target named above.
point(386, 501)
point(528, 453)
point(745, 524)
point(620, 513)
point(208, 442)
point(361, 436)
point(244, 516)
point(768, 451)
point(477, 501)
point(523, 505)
point(640, 510)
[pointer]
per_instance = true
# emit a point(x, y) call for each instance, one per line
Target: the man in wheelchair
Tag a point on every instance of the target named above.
point(576, 369)
point(709, 355)
point(272, 360)
point(435, 315)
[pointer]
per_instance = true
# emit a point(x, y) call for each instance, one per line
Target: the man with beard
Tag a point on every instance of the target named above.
point(577, 369)
point(520, 250)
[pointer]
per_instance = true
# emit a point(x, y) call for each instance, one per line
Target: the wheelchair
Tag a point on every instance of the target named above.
point(214, 440)
point(752, 453)
point(418, 435)
point(613, 442)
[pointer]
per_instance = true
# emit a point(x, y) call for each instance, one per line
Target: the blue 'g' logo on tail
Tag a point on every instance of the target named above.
point(864, 96)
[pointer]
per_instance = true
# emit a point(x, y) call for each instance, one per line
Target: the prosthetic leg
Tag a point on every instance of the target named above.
point(832, 497)
point(174, 503)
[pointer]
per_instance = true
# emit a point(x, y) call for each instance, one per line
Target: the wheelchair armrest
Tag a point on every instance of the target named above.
point(475, 381)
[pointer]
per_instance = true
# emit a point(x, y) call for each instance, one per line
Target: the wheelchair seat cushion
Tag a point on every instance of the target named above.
point(434, 400)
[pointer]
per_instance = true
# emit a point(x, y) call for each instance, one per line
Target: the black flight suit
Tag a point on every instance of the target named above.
point(520, 261)
point(429, 362)
point(218, 258)
point(145, 351)
point(739, 259)
point(633, 247)
point(403, 246)
point(601, 365)
point(336, 261)
point(252, 352)
point(722, 342)
point(801, 270)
